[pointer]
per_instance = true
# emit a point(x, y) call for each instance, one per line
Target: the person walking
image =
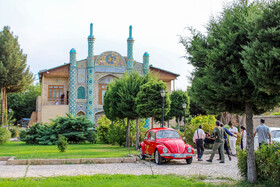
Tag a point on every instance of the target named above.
point(232, 139)
point(264, 135)
point(225, 144)
point(243, 138)
point(198, 138)
point(219, 134)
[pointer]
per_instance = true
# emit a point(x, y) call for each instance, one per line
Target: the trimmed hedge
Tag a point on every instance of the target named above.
point(267, 163)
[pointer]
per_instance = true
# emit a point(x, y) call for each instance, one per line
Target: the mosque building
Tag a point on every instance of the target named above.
point(78, 87)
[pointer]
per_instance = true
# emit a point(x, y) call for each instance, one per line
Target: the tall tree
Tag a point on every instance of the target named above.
point(178, 97)
point(220, 82)
point(130, 86)
point(24, 103)
point(14, 73)
point(149, 100)
point(261, 57)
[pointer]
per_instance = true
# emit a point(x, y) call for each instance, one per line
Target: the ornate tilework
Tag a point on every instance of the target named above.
point(90, 78)
point(147, 123)
point(146, 68)
point(129, 63)
point(81, 76)
point(72, 82)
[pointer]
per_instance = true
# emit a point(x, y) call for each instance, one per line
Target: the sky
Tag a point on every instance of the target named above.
point(48, 29)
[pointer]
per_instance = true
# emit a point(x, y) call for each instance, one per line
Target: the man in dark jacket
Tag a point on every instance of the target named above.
point(219, 134)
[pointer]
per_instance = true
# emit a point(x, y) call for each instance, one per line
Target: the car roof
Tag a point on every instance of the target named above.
point(274, 128)
point(162, 128)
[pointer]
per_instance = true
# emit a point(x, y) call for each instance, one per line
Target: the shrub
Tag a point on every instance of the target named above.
point(14, 131)
point(22, 134)
point(267, 163)
point(62, 143)
point(91, 137)
point(5, 135)
point(207, 122)
point(103, 128)
point(115, 133)
point(74, 129)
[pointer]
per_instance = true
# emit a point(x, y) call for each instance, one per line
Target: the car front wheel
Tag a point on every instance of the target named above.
point(158, 158)
point(141, 155)
point(189, 160)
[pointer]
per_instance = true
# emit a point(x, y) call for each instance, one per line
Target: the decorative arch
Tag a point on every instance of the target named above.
point(81, 93)
point(102, 87)
point(110, 58)
point(81, 113)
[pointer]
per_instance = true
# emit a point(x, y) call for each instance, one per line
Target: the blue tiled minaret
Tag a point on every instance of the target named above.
point(130, 41)
point(72, 82)
point(90, 77)
point(146, 68)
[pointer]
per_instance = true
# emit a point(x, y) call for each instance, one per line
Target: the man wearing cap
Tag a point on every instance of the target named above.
point(264, 135)
point(198, 138)
point(232, 139)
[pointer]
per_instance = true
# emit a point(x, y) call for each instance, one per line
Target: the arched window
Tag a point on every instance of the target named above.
point(81, 93)
point(102, 87)
point(81, 113)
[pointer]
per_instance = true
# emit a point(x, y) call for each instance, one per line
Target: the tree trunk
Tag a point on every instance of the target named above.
point(178, 125)
point(137, 134)
point(127, 140)
point(3, 99)
point(152, 122)
point(251, 162)
point(168, 123)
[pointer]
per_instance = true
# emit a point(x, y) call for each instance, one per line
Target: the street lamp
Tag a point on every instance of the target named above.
point(184, 105)
point(162, 93)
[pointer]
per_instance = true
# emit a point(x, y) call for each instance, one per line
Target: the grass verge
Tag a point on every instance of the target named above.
point(106, 180)
point(85, 150)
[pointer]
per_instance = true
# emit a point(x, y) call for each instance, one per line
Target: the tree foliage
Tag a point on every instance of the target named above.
point(24, 103)
point(220, 81)
point(178, 97)
point(149, 100)
point(14, 73)
point(261, 56)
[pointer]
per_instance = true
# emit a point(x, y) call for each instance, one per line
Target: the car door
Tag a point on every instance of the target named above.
point(146, 142)
point(152, 142)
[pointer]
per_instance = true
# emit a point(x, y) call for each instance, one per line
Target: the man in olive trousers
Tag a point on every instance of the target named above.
point(219, 134)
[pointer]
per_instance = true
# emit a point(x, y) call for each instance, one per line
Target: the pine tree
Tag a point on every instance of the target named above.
point(14, 73)
point(220, 82)
point(261, 57)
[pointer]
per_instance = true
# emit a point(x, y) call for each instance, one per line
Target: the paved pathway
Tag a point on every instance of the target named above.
point(215, 169)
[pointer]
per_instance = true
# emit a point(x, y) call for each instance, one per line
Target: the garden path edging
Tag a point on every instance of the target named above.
point(12, 161)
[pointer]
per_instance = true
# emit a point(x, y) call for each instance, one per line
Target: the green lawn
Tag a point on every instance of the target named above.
point(85, 150)
point(106, 180)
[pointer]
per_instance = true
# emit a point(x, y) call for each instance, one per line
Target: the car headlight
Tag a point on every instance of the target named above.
point(165, 150)
point(189, 149)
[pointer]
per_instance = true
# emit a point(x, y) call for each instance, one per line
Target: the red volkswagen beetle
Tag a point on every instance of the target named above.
point(165, 143)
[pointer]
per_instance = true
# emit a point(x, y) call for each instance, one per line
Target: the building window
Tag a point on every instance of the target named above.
point(81, 93)
point(102, 89)
point(55, 92)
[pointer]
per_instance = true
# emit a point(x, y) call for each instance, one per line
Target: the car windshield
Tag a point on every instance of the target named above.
point(275, 134)
point(168, 134)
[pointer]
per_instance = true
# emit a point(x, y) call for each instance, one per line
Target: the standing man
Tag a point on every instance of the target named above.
point(198, 138)
point(264, 135)
point(225, 144)
point(232, 139)
point(219, 134)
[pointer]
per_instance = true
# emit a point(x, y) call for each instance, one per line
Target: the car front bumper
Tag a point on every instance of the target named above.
point(174, 155)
